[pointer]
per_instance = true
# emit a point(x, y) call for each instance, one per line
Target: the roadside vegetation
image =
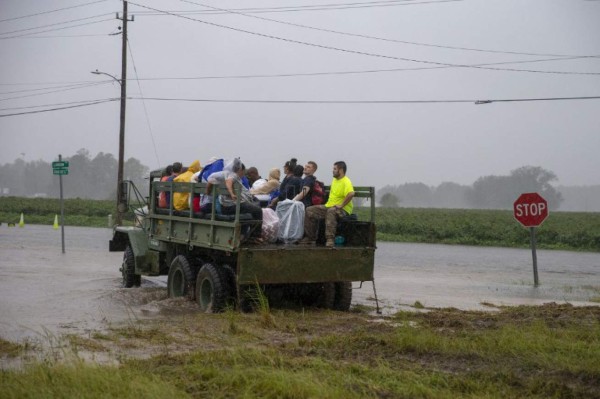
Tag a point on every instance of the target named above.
point(562, 230)
point(78, 212)
point(545, 351)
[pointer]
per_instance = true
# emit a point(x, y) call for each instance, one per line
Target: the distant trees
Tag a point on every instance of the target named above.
point(492, 192)
point(419, 195)
point(24, 178)
point(450, 195)
point(96, 178)
point(389, 200)
point(499, 192)
point(88, 177)
point(580, 198)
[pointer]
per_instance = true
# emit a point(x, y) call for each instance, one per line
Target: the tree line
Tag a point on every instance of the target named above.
point(487, 192)
point(94, 178)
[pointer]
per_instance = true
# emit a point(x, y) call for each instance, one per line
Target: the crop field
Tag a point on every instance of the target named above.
point(562, 230)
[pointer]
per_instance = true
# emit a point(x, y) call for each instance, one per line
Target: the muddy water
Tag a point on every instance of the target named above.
point(469, 277)
point(41, 288)
point(43, 291)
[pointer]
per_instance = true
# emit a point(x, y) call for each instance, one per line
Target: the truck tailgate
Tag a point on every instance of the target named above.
point(291, 264)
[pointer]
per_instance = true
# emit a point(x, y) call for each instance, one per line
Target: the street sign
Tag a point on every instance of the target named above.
point(530, 209)
point(60, 164)
point(60, 171)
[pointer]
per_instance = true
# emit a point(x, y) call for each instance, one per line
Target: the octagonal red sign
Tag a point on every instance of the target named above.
point(530, 209)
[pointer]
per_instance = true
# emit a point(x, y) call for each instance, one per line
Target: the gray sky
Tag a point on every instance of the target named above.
point(382, 143)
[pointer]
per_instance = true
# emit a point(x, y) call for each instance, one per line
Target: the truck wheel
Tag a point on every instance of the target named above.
point(320, 295)
point(343, 296)
point(211, 289)
point(181, 278)
point(130, 279)
point(326, 297)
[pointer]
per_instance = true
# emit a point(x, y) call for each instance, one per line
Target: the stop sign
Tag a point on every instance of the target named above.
point(530, 209)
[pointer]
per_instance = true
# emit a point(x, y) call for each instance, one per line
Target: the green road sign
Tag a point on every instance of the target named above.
point(60, 164)
point(60, 171)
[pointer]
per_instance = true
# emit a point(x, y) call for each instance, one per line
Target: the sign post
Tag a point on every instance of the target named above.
point(60, 168)
point(530, 209)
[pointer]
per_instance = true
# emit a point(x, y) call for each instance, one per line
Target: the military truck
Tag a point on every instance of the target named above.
point(207, 259)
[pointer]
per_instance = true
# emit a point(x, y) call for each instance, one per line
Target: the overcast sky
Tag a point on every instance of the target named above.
point(411, 52)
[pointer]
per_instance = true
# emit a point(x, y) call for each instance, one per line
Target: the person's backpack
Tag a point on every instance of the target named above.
point(318, 193)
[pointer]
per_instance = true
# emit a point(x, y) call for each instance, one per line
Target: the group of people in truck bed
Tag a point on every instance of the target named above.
point(256, 194)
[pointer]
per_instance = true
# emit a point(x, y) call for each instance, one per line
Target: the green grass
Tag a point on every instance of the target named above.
point(78, 212)
point(546, 351)
point(78, 380)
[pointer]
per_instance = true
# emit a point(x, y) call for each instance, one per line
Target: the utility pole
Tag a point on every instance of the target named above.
point(120, 204)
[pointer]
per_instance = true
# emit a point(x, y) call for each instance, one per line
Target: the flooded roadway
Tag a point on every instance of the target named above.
point(44, 292)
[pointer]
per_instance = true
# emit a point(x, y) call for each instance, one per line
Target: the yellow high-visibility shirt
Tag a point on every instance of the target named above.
point(338, 191)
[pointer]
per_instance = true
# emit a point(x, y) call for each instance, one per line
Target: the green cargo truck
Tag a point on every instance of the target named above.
point(206, 258)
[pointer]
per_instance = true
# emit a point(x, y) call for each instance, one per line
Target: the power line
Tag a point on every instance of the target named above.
point(50, 83)
point(75, 104)
point(347, 102)
point(58, 109)
point(306, 74)
point(60, 36)
point(53, 30)
point(57, 104)
point(329, 73)
point(280, 75)
point(54, 24)
point(206, 100)
point(74, 87)
point(357, 52)
point(315, 7)
point(73, 84)
point(51, 11)
point(263, 76)
point(234, 11)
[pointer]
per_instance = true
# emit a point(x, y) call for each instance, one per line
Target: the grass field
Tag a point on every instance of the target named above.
point(543, 352)
point(562, 230)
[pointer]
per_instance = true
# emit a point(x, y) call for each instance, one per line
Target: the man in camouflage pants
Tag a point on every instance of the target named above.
point(339, 205)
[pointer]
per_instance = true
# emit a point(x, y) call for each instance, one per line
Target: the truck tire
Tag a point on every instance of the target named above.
point(326, 298)
point(130, 279)
point(320, 295)
point(181, 280)
point(211, 289)
point(343, 296)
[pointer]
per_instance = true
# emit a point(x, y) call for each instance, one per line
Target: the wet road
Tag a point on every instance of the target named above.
point(44, 292)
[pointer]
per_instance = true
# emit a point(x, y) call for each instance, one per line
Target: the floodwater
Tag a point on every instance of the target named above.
point(472, 278)
point(44, 292)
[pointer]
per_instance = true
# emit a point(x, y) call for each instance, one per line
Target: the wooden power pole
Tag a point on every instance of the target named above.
point(121, 207)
